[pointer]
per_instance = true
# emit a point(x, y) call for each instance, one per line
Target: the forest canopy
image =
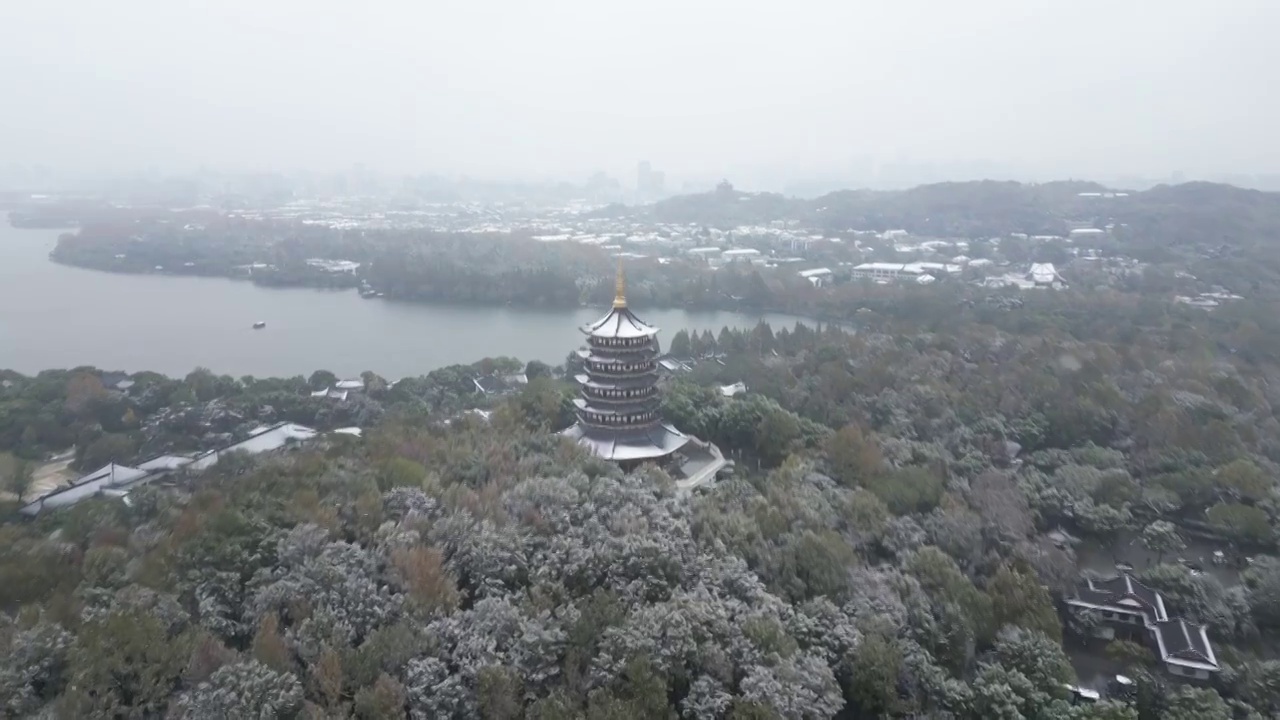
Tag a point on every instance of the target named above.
point(916, 491)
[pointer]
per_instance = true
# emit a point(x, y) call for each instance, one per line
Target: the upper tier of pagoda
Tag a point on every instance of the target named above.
point(620, 324)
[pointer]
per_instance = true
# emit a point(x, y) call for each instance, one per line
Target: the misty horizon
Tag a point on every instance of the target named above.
point(566, 89)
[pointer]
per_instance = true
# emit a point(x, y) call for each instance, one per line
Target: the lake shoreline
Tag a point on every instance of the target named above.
point(739, 307)
point(55, 314)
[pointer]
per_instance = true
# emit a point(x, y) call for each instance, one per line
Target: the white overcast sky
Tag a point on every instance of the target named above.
point(699, 87)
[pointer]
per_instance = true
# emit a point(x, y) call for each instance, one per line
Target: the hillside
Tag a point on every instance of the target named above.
point(1188, 213)
point(889, 544)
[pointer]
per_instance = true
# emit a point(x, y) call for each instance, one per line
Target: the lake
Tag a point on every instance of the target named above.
point(55, 316)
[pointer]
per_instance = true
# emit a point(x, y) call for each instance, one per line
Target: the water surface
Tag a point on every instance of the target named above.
point(56, 316)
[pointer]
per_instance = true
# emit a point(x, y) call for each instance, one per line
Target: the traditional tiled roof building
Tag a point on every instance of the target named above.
point(1122, 602)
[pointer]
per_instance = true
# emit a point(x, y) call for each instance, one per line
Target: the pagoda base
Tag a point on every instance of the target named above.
point(629, 447)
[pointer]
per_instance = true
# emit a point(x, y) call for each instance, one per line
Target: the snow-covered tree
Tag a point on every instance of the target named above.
point(248, 690)
point(32, 667)
point(801, 687)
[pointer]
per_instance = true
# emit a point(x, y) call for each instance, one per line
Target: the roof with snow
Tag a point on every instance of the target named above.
point(1044, 273)
point(655, 442)
point(619, 323)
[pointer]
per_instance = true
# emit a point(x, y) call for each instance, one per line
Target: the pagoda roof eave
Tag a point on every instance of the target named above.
point(620, 322)
point(658, 441)
point(628, 383)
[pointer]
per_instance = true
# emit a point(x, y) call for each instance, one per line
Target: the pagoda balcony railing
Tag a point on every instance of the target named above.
point(619, 426)
point(620, 370)
point(622, 365)
point(607, 376)
point(621, 343)
point(614, 349)
point(594, 396)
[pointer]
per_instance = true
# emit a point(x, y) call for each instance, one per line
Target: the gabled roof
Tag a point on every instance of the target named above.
point(109, 476)
point(272, 437)
point(1185, 643)
point(1181, 643)
point(1043, 273)
point(673, 365)
point(115, 477)
point(113, 474)
point(166, 462)
point(1125, 587)
point(734, 389)
point(1123, 594)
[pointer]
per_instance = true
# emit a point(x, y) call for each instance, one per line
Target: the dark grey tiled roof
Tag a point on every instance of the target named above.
point(1089, 595)
point(1112, 591)
point(1185, 640)
point(1124, 584)
point(1178, 639)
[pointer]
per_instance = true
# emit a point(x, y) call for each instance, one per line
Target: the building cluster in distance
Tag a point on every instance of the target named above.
point(1084, 252)
point(823, 257)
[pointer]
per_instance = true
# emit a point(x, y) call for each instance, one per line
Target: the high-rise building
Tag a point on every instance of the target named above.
point(619, 405)
point(650, 183)
point(643, 171)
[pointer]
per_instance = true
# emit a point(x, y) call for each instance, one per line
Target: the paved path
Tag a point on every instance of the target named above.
point(704, 474)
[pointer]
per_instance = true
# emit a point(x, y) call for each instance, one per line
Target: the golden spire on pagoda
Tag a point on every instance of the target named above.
point(620, 288)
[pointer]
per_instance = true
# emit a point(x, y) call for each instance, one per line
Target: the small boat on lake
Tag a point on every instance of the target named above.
point(259, 325)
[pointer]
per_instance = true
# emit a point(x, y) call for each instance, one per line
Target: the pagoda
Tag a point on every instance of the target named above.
point(618, 406)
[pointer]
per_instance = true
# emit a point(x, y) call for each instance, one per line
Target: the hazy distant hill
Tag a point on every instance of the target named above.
point(726, 206)
point(966, 208)
point(957, 208)
point(1193, 213)
point(1199, 212)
